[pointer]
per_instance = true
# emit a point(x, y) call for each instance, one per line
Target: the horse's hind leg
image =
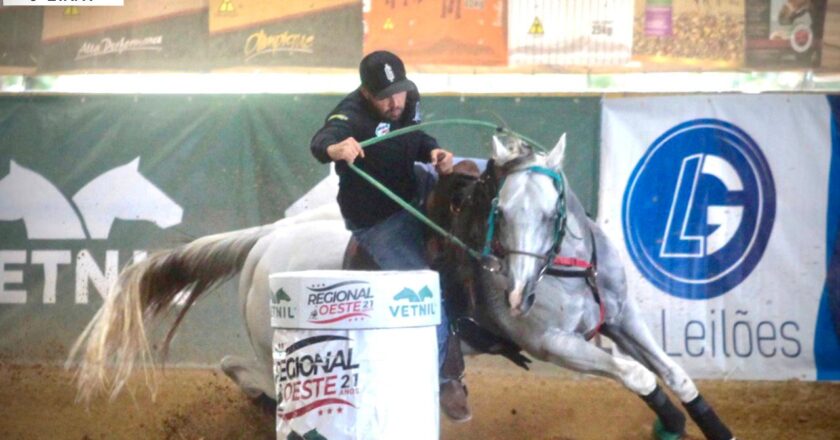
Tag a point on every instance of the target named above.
point(634, 338)
point(573, 352)
point(251, 377)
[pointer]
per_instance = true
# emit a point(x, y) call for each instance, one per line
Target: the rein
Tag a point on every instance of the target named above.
point(486, 260)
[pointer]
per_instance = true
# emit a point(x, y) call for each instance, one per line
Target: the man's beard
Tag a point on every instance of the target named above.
point(395, 114)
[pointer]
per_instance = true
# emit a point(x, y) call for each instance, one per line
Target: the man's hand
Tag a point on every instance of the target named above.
point(442, 160)
point(347, 150)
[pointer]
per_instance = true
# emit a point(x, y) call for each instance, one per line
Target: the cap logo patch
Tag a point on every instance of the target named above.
point(389, 73)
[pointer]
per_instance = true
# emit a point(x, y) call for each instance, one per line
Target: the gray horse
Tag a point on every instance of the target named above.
point(549, 317)
point(551, 306)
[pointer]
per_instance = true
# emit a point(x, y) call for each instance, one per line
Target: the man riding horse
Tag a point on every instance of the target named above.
point(387, 101)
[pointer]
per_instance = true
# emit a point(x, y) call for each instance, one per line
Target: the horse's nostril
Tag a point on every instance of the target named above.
point(529, 301)
point(510, 283)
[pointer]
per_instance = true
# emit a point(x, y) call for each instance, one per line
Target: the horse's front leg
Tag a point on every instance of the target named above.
point(573, 352)
point(633, 337)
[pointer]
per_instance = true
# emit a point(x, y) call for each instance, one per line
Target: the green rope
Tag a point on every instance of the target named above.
point(407, 206)
point(462, 122)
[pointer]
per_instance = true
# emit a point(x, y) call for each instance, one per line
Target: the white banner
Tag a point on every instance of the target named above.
point(345, 299)
point(720, 205)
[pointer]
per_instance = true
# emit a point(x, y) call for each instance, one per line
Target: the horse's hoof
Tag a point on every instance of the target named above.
point(266, 405)
point(659, 432)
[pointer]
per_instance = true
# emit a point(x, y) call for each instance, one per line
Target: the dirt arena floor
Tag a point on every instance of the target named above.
point(37, 402)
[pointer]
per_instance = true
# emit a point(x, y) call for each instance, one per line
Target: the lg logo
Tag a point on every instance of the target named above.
point(678, 240)
point(699, 209)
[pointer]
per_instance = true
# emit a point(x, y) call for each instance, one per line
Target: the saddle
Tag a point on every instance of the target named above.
point(460, 299)
point(464, 326)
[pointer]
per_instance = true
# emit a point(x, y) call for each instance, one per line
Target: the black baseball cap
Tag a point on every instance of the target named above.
point(383, 74)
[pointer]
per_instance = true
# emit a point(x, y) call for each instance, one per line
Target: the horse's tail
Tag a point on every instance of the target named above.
point(115, 339)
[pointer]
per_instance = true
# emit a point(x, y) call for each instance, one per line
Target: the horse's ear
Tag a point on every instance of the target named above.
point(500, 150)
point(13, 166)
point(134, 164)
point(555, 157)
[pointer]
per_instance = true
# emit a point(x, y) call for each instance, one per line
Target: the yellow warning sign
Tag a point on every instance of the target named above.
point(226, 6)
point(71, 10)
point(536, 27)
point(389, 25)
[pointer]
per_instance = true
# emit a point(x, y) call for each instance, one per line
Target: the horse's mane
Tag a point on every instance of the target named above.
point(528, 155)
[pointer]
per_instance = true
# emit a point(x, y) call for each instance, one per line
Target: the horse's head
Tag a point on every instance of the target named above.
point(24, 192)
point(126, 194)
point(9, 181)
point(10, 192)
point(140, 198)
point(527, 217)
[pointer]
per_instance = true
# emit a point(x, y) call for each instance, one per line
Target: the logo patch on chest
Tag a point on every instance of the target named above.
point(383, 128)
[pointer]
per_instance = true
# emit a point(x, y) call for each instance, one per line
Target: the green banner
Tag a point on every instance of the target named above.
point(88, 182)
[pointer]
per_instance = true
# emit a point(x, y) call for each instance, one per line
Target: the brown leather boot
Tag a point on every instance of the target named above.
point(453, 401)
point(453, 392)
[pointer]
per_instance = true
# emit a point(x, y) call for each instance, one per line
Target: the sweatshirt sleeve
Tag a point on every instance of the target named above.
point(336, 128)
point(426, 144)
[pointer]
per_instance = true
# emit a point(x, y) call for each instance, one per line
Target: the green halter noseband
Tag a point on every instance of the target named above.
point(559, 219)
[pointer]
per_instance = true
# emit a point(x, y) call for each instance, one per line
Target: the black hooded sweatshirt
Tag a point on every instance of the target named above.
point(391, 162)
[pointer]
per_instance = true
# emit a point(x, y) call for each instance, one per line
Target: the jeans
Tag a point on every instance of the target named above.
point(397, 244)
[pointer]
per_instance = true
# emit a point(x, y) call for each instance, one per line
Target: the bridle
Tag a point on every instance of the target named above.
point(491, 246)
point(553, 265)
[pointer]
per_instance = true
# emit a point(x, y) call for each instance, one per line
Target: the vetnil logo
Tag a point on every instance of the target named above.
point(121, 193)
point(280, 295)
point(279, 306)
point(417, 305)
point(699, 209)
point(413, 296)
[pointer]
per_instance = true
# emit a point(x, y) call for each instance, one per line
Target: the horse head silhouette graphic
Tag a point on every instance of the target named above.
point(123, 193)
point(46, 213)
point(413, 296)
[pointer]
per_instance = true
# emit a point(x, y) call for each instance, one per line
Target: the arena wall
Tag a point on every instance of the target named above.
point(70, 164)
